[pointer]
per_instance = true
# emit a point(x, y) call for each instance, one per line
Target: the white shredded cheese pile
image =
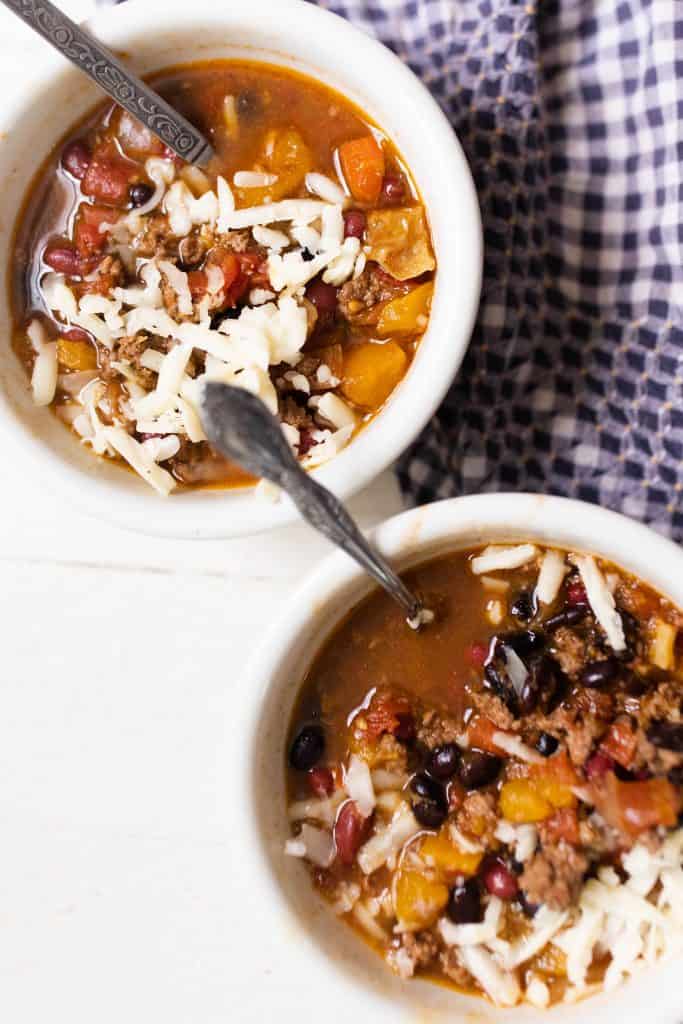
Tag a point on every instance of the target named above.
point(269, 332)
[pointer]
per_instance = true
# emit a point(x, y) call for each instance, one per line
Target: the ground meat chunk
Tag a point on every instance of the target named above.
point(411, 952)
point(371, 287)
point(478, 816)
point(391, 754)
point(569, 649)
point(155, 238)
point(554, 876)
point(198, 463)
point(666, 702)
point(596, 837)
point(494, 708)
point(191, 251)
point(296, 415)
point(435, 729)
point(239, 241)
point(453, 969)
point(577, 730)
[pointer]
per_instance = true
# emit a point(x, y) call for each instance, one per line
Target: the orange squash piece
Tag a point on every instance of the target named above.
point(76, 355)
point(371, 372)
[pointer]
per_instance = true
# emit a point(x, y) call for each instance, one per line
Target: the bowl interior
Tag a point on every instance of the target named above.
point(288, 33)
point(276, 677)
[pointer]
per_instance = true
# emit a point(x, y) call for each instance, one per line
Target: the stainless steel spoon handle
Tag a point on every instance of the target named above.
point(240, 426)
point(114, 78)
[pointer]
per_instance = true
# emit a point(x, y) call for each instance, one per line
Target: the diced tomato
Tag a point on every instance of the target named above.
point(559, 768)
point(109, 176)
point(576, 594)
point(564, 825)
point(321, 781)
point(362, 162)
point(633, 807)
point(88, 234)
point(350, 830)
point(388, 713)
point(598, 765)
point(480, 730)
point(620, 743)
point(477, 654)
point(254, 266)
point(198, 283)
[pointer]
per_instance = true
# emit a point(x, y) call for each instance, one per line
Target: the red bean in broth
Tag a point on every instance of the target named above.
point(498, 878)
point(393, 189)
point(76, 158)
point(322, 295)
point(354, 224)
point(321, 781)
point(63, 259)
point(350, 830)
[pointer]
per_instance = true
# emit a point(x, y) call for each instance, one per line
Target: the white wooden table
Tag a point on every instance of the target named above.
point(118, 898)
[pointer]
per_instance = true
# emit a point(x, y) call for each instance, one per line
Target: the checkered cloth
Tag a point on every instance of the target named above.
point(571, 115)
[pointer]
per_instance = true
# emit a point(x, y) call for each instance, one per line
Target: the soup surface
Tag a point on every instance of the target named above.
point(299, 266)
point(494, 801)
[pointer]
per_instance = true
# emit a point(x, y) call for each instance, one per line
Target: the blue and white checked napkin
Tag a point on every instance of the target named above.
point(571, 115)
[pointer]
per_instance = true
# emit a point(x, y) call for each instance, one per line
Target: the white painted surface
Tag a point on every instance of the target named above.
point(119, 901)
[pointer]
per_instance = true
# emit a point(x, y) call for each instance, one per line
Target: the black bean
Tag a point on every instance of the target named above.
point(427, 788)
point(525, 642)
point(140, 193)
point(675, 775)
point(307, 255)
point(545, 686)
point(597, 674)
point(443, 762)
point(666, 734)
point(569, 616)
point(523, 607)
point(546, 744)
point(478, 769)
point(464, 903)
point(429, 814)
point(307, 748)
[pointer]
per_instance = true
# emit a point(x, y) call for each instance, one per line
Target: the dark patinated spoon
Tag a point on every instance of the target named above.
point(107, 71)
point(240, 426)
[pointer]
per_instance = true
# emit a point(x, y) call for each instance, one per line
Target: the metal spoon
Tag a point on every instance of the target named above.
point(114, 78)
point(240, 426)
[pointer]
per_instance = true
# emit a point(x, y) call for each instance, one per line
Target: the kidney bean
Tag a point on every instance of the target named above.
point(322, 295)
point(63, 259)
point(427, 788)
point(478, 769)
point(546, 744)
point(598, 765)
point(443, 762)
point(307, 748)
point(321, 781)
point(570, 616)
point(393, 188)
point(429, 814)
point(498, 878)
point(78, 334)
point(464, 903)
point(350, 830)
point(576, 593)
point(354, 224)
point(666, 734)
point(76, 158)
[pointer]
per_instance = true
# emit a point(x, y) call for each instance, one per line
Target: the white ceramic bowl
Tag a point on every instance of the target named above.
point(158, 33)
point(323, 954)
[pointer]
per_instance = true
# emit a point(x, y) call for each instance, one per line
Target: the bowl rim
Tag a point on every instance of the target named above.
point(322, 601)
point(221, 513)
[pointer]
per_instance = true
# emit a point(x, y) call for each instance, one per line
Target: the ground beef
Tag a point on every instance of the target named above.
point(290, 411)
point(435, 729)
point(412, 951)
point(495, 709)
point(577, 730)
point(665, 702)
point(554, 876)
point(156, 237)
point(239, 241)
point(478, 816)
point(569, 649)
point(360, 294)
point(391, 754)
point(198, 463)
point(590, 701)
point(453, 969)
point(191, 251)
point(597, 837)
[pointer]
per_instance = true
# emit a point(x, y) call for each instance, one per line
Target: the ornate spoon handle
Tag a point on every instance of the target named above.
point(114, 78)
